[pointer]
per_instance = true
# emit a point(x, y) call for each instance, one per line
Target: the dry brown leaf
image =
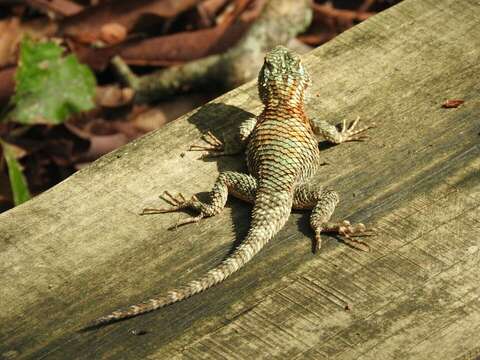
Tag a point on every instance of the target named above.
point(208, 9)
point(329, 20)
point(180, 47)
point(342, 15)
point(12, 31)
point(317, 38)
point(39, 28)
point(113, 96)
point(149, 120)
point(113, 33)
point(452, 103)
point(17, 151)
point(7, 83)
point(60, 7)
point(86, 26)
point(10, 36)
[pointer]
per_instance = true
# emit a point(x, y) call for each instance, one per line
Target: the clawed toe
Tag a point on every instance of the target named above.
point(186, 221)
point(350, 232)
point(347, 230)
point(349, 133)
point(317, 242)
point(214, 144)
point(177, 202)
point(358, 230)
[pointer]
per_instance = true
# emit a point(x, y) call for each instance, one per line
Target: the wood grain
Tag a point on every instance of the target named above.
point(80, 249)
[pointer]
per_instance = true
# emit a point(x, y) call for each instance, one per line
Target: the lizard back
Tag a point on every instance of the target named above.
point(282, 150)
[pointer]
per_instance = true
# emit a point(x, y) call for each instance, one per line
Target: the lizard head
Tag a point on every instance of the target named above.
point(282, 77)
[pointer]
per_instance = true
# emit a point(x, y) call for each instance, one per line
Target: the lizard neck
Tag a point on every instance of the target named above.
point(294, 102)
point(292, 108)
point(286, 94)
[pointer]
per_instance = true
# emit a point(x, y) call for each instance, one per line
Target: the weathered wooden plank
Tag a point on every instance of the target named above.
point(80, 249)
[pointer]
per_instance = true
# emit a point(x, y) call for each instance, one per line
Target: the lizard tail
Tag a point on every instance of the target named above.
point(264, 226)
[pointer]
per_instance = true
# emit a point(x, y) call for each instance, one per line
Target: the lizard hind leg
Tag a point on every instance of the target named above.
point(240, 185)
point(323, 203)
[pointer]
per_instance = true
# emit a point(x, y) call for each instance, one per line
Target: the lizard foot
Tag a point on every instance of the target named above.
point(214, 145)
point(177, 203)
point(348, 231)
point(349, 133)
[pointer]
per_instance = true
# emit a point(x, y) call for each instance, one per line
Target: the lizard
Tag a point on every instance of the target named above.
point(282, 156)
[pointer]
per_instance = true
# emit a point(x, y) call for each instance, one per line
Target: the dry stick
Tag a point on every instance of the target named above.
point(125, 73)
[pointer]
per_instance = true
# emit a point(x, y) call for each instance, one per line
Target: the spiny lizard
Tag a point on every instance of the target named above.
point(282, 156)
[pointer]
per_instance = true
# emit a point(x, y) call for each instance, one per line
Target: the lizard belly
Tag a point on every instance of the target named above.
point(282, 152)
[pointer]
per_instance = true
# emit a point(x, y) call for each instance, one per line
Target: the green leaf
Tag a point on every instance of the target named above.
point(18, 183)
point(49, 87)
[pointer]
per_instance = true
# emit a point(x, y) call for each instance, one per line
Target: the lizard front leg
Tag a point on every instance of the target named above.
point(242, 186)
point(323, 203)
point(329, 132)
point(217, 147)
